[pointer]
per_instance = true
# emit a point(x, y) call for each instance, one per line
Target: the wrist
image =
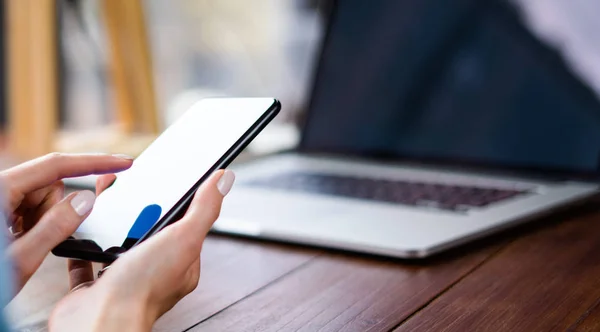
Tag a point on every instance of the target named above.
point(123, 313)
point(100, 309)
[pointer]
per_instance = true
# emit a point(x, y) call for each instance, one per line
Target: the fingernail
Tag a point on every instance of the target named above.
point(83, 202)
point(123, 156)
point(226, 182)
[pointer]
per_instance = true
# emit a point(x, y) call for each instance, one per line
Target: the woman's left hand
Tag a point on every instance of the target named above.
point(38, 216)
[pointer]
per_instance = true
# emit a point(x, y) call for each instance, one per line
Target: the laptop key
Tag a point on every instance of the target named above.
point(439, 196)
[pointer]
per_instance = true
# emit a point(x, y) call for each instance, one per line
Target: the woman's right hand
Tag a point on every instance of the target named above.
point(151, 278)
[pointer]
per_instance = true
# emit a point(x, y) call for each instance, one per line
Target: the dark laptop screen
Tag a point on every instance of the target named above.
point(461, 80)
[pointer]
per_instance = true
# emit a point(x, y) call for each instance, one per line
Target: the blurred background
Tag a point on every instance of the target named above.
point(199, 48)
point(109, 75)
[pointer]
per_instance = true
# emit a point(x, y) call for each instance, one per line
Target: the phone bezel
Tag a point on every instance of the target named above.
point(67, 248)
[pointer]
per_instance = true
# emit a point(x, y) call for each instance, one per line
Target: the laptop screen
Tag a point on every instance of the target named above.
point(459, 81)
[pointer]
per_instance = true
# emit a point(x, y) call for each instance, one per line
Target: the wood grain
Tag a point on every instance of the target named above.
point(231, 270)
point(544, 281)
point(589, 321)
point(337, 292)
point(531, 279)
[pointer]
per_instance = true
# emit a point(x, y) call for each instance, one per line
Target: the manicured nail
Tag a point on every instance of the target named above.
point(123, 156)
point(226, 182)
point(83, 202)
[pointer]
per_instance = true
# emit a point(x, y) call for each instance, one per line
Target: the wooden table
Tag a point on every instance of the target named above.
point(540, 277)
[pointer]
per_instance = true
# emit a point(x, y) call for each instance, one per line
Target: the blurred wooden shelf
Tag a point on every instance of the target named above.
point(33, 81)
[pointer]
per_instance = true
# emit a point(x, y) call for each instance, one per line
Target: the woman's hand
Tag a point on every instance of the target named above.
point(148, 280)
point(38, 215)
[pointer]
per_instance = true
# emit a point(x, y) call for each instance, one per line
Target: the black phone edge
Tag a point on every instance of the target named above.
point(179, 209)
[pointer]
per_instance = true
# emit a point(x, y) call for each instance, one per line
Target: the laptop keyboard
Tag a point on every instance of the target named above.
point(406, 192)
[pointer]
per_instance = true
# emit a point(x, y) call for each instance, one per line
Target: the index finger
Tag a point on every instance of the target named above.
point(43, 171)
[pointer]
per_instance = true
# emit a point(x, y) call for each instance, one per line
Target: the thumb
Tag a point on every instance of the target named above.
point(58, 223)
point(205, 207)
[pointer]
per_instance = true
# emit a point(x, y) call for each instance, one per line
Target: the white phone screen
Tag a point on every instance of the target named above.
point(168, 168)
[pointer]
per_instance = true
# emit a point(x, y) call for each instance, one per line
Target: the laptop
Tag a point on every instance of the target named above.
point(430, 124)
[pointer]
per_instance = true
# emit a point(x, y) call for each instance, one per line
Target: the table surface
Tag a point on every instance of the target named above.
point(542, 276)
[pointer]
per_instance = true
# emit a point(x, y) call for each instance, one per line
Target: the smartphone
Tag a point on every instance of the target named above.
point(158, 188)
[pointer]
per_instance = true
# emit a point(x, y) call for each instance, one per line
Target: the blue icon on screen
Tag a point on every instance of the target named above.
point(147, 218)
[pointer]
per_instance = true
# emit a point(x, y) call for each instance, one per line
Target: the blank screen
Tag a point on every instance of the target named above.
point(168, 168)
